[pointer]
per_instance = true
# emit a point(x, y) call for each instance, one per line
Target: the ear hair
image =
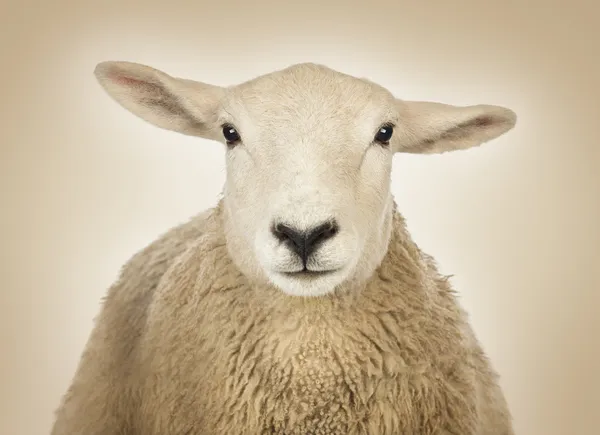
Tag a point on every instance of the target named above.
point(433, 128)
point(180, 105)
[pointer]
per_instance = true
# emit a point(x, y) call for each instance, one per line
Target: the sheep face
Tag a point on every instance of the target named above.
point(307, 202)
point(308, 175)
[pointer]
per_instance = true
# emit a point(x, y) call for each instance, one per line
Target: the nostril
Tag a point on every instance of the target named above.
point(322, 232)
point(276, 230)
point(284, 232)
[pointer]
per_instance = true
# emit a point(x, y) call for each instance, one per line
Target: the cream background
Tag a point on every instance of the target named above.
point(84, 184)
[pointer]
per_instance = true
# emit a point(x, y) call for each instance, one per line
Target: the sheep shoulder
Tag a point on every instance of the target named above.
point(102, 396)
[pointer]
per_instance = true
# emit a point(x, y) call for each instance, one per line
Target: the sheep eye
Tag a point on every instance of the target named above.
point(384, 134)
point(231, 135)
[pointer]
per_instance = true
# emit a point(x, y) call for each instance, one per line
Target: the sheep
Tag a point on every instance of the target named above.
point(299, 303)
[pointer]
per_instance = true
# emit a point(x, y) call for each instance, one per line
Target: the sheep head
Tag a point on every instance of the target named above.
point(307, 201)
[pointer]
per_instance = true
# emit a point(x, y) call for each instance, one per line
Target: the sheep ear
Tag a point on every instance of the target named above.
point(184, 106)
point(433, 128)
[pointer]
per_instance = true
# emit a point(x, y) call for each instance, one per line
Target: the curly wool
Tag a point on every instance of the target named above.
point(184, 344)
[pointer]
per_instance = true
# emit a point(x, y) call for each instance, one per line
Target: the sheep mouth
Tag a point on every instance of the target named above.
point(307, 273)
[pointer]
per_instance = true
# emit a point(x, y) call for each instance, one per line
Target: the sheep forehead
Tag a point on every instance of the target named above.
point(311, 95)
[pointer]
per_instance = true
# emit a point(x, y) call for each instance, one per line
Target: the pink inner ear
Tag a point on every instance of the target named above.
point(124, 80)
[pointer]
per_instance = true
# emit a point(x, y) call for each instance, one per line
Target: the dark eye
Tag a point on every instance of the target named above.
point(231, 135)
point(384, 134)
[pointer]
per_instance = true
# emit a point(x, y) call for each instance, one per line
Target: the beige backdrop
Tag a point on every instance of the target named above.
point(85, 184)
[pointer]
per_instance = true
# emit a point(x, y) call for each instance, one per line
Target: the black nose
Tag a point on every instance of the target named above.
point(304, 243)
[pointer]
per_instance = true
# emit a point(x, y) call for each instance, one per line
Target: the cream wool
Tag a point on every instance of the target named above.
point(211, 330)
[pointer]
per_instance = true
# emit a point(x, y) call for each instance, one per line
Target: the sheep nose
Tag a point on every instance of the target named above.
point(304, 243)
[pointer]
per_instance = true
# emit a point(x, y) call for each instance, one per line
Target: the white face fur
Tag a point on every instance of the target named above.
point(309, 156)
